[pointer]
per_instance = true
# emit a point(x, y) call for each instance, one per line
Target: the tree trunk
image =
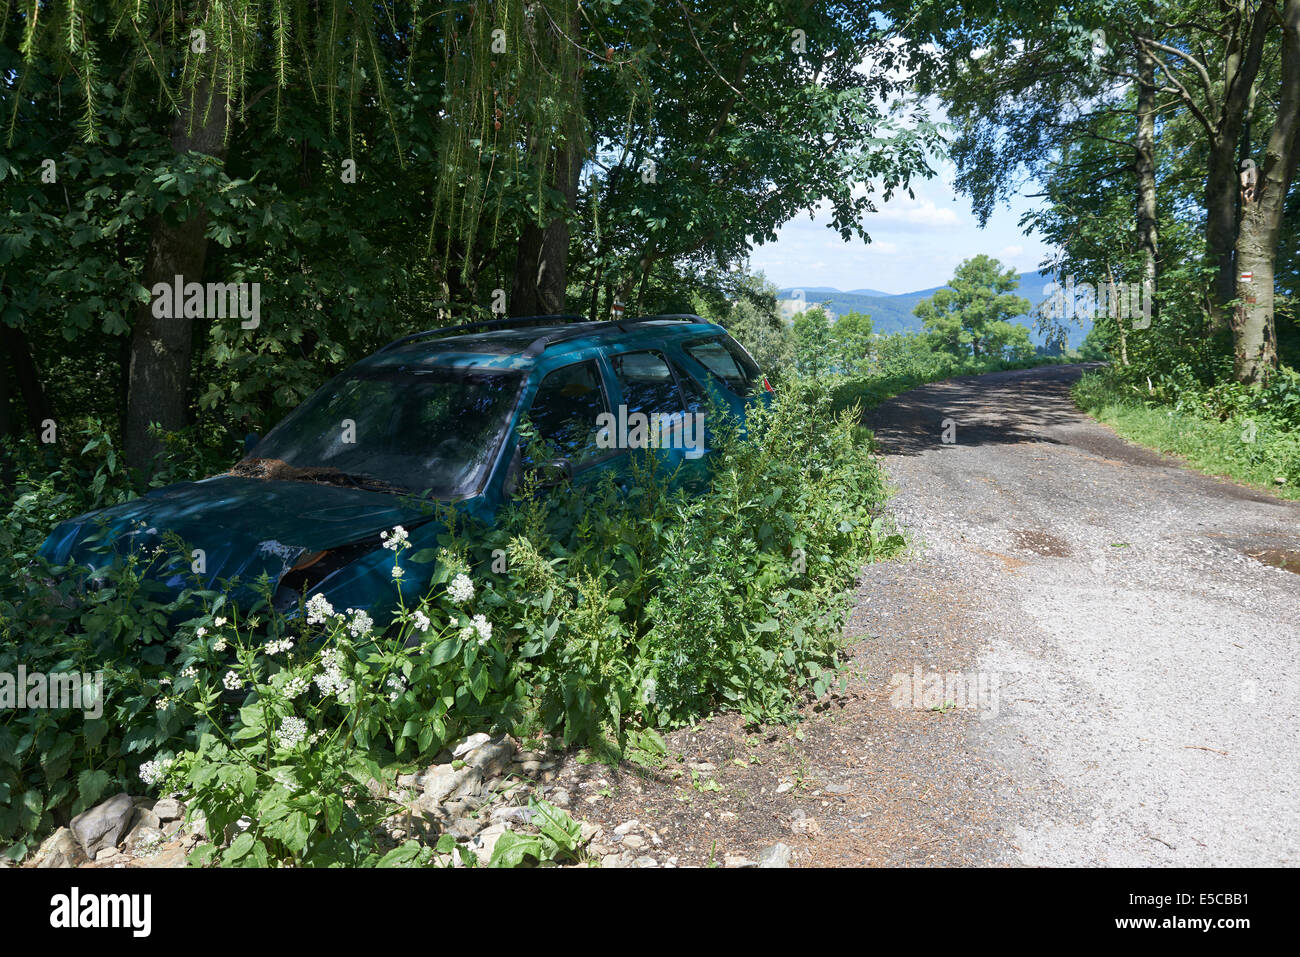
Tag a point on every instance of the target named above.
point(1253, 325)
point(540, 284)
point(1240, 69)
point(28, 378)
point(1147, 226)
point(159, 376)
point(1221, 226)
point(1112, 297)
point(541, 265)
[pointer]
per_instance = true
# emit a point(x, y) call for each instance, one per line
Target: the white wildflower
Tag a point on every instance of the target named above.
point(397, 571)
point(275, 647)
point(398, 684)
point(190, 672)
point(421, 620)
point(331, 681)
point(295, 686)
point(461, 589)
point(396, 540)
point(483, 627)
point(318, 610)
point(232, 681)
point(293, 731)
point(219, 645)
point(152, 772)
point(218, 622)
point(360, 624)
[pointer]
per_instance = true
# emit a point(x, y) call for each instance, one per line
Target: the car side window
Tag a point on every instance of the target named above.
point(648, 383)
point(692, 391)
point(565, 410)
point(726, 360)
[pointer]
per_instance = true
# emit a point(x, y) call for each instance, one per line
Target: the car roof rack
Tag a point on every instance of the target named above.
point(485, 325)
point(678, 316)
point(582, 326)
point(541, 343)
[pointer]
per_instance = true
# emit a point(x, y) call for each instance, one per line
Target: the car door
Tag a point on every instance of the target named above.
point(654, 410)
point(568, 411)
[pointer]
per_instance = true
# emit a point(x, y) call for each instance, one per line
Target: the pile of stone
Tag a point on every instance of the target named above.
point(479, 790)
point(123, 829)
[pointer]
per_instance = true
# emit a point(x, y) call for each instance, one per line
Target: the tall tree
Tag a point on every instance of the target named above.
point(196, 57)
point(969, 316)
point(1208, 56)
point(1037, 88)
point(757, 113)
point(851, 339)
point(1263, 203)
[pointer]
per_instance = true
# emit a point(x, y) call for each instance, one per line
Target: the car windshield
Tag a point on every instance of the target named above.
point(393, 430)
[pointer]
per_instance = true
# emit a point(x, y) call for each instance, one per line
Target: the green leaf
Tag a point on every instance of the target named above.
point(94, 730)
point(444, 651)
point(515, 850)
point(90, 786)
point(404, 855)
point(241, 845)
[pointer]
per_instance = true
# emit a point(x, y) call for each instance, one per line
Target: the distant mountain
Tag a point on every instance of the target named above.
point(894, 313)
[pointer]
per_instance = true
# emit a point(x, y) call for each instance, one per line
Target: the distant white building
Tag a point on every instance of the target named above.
point(790, 308)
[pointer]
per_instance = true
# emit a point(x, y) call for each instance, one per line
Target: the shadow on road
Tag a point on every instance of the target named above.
point(998, 408)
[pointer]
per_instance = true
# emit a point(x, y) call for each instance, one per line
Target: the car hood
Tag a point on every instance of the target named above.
point(243, 526)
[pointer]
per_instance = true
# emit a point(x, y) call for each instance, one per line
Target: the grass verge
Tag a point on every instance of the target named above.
point(1253, 451)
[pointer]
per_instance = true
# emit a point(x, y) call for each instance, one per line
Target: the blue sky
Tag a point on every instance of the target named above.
point(916, 243)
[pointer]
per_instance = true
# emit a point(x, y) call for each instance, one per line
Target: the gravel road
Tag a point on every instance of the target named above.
point(1118, 637)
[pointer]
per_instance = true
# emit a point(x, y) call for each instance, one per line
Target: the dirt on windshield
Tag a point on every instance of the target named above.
point(280, 470)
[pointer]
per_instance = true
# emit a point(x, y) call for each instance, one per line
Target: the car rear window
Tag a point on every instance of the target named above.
point(730, 363)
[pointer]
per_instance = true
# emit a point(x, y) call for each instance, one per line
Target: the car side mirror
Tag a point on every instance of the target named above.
point(250, 442)
point(555, 472)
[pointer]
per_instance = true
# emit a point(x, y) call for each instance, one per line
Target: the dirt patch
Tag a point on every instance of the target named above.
point(1041, 543)
point(1287, 559)
point(1009, 563)
point(1279, 551)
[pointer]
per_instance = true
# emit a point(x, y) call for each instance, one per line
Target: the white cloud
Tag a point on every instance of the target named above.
point(916, 242)
point(915, 212)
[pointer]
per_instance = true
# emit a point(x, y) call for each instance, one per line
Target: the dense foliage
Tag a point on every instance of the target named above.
point(619, 612)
